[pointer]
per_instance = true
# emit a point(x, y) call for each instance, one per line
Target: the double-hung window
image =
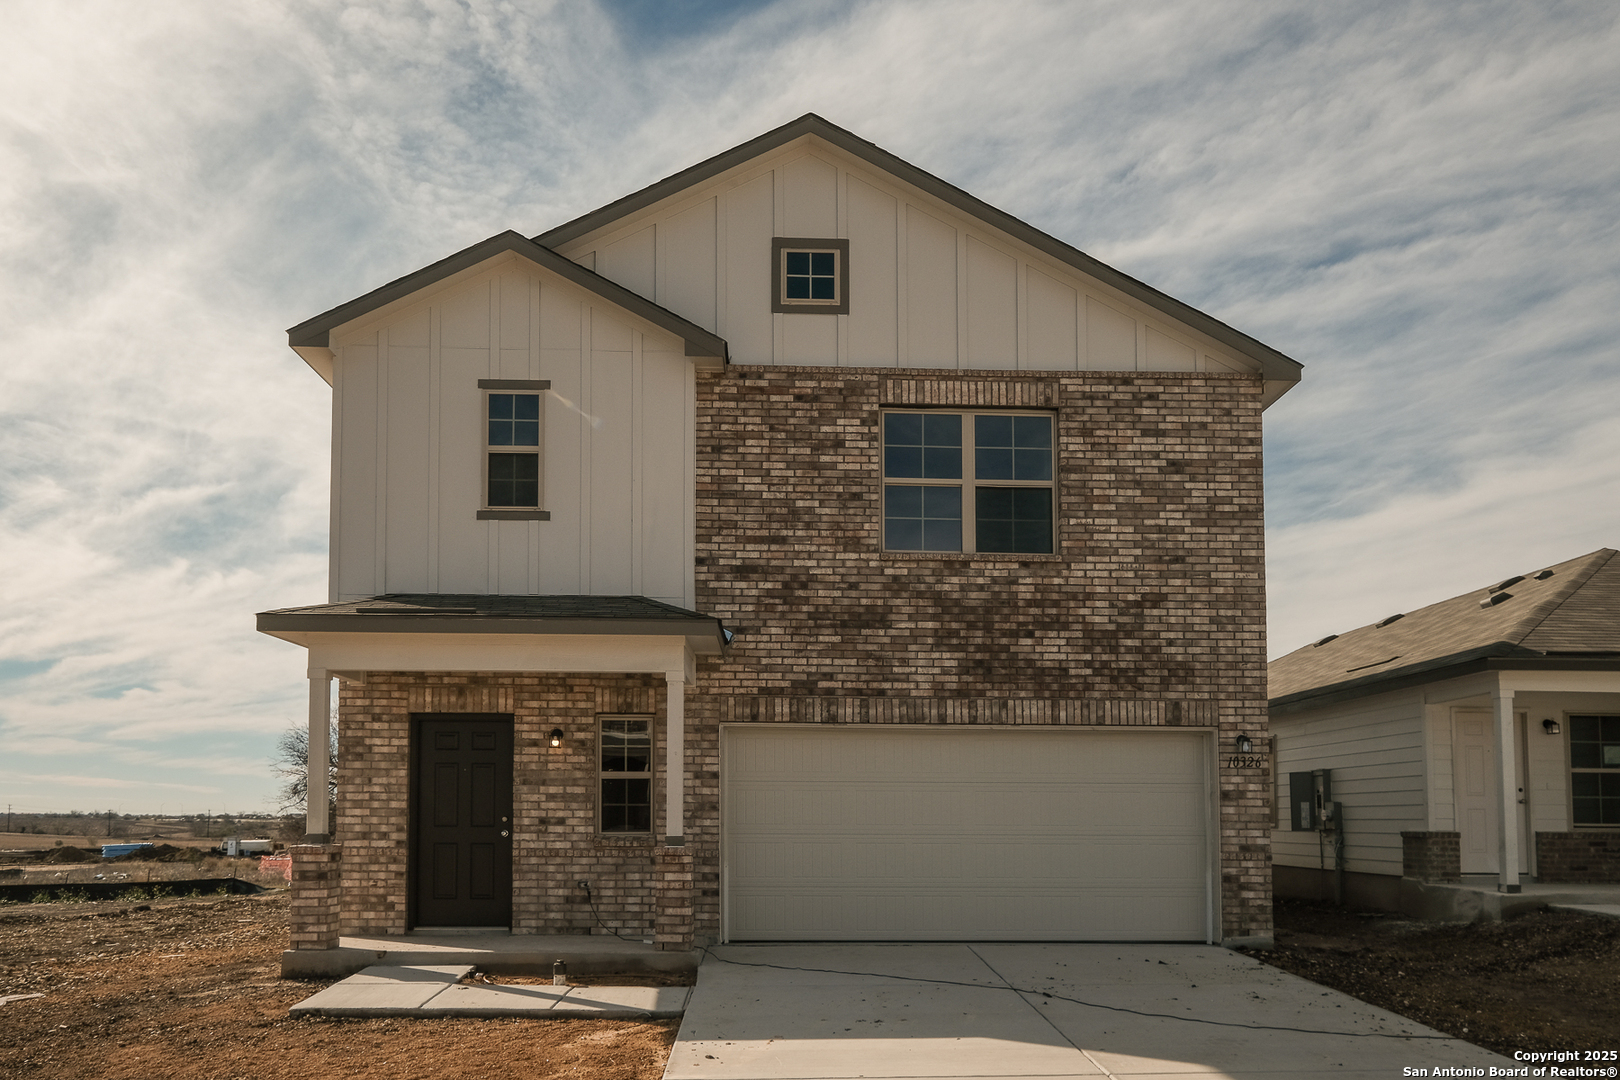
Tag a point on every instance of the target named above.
point(1594, 760)
point(513, 412)
point(968, 481)
point(626, 753)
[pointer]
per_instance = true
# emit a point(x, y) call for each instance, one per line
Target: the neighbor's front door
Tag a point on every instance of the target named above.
point(1479, 815)
point(461, 851)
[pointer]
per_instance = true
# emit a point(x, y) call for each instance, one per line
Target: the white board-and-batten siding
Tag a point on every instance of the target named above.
point(1375, 749)
point(408, 444)
point(929, 287)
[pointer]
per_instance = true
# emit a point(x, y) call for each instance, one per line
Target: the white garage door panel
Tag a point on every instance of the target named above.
point(894, 834)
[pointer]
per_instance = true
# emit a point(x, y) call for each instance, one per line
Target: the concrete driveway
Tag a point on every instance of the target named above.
point(988, 1010)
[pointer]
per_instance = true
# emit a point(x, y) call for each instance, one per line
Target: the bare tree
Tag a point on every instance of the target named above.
point(292, 764)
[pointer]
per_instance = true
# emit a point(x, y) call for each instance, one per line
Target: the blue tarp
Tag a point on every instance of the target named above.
point(112, 851)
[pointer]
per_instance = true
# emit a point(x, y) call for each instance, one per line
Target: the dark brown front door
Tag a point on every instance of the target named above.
point(461, 857)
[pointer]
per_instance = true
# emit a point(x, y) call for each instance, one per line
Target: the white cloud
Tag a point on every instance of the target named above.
point(1414, 200)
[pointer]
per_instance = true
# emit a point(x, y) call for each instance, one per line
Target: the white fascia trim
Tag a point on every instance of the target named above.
point(545, 653)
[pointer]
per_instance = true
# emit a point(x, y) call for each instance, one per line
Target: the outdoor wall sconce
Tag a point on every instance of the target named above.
point(556, 736)
point(1245, 745)
point(1551, 727)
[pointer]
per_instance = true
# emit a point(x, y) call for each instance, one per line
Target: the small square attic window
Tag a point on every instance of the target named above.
point(810, 276)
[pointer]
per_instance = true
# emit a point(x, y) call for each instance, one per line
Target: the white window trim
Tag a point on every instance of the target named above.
point(1573, 769)
point(487, 512)
point(968, 483)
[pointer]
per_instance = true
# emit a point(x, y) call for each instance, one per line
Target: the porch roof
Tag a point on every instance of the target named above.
point(1562, 616)
point(473, 613)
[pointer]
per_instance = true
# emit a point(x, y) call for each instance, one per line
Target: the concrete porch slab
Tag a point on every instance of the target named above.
point(1476, 899)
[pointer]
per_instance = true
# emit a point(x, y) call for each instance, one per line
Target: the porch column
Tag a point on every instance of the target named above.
point(1508, 793)
point(675, 760)
point(317, 828)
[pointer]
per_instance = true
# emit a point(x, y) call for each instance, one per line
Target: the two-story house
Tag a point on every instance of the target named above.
point(796, 548)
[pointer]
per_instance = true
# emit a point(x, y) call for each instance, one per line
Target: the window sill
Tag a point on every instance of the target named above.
point(514, 515)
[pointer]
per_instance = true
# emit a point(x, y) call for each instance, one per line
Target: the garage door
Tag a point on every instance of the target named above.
point(904, 834)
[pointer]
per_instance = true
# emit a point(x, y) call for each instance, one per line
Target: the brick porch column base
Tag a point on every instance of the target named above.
point(673, 921)
point(1431, 856)
point(317, 888)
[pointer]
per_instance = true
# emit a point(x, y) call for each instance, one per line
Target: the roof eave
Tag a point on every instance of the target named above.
point(312, 338)
point(706, 636)
point(1436, 671)
point(1279, 370)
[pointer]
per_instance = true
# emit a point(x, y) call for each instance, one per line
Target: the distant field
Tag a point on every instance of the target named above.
point(35, 841)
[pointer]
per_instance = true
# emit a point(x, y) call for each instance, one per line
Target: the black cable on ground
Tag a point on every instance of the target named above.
point(1088, 1004)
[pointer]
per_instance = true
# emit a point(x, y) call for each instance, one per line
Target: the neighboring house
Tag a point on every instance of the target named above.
point(1480, 735)
point(797, 548)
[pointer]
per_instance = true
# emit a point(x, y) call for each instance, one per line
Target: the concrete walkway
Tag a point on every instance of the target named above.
point(987, 1010)
point(487, 950)
point(438, 991)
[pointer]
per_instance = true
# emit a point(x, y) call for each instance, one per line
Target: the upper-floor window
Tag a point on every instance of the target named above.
point(810, 276)
point(968, 481)
point(512, 447)
point(1594, 759)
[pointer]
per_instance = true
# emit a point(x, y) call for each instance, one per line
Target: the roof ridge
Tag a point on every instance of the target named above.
point(1275, 365)
point(1553, 603)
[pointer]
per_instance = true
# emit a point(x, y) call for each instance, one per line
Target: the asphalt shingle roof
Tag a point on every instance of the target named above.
point(503, 607)
point(1571, 609)
point(475, 613)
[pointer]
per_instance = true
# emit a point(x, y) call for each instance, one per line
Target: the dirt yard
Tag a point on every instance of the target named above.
point(190, 990)
point(1543, 981)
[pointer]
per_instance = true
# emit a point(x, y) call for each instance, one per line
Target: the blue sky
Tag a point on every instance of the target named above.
point(1415, 200)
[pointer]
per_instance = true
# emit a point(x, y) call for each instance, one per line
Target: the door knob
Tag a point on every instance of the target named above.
point(505, 833)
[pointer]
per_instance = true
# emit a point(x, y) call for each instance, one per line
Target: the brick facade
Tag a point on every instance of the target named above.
point(1150, 614)
point(555, 844)
point(317, 886)
point(1431, 856)
point(1587, 857)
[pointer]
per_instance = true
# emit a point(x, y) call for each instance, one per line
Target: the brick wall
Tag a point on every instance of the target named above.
point(1431, 856)
point(1574, 857)
point(315, 918)
point(1151, 612)
point(555, 843)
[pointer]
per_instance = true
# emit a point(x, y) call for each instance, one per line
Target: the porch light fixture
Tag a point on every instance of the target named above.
point(1245, 745)
point(556, 736)
point(1551, 727)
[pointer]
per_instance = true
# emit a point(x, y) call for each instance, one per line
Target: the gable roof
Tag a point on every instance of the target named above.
point(1274, 366)
point(315, 333)
point(1565, 616)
